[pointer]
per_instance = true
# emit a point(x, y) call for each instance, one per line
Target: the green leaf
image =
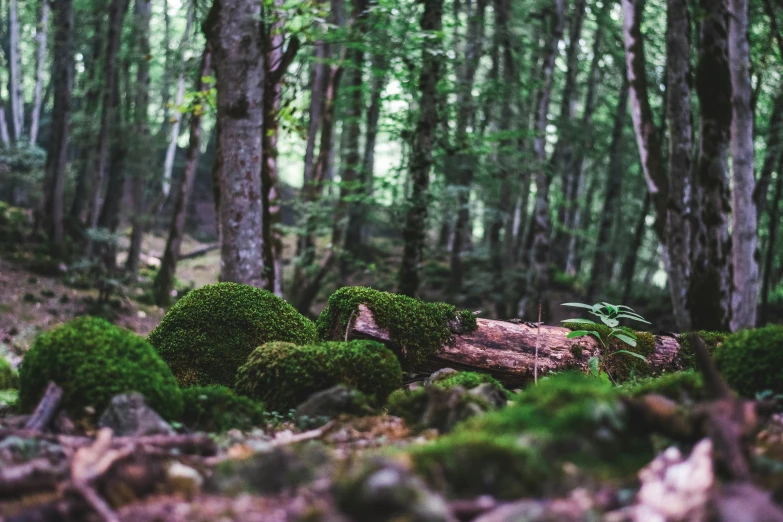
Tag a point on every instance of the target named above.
point(610, 322)
point(612, 309)
point(588, 321)
point(634, 317)
point(637, 355)
point(578, 305)
point(616, 331)
point(592, 363)
point(627, 340)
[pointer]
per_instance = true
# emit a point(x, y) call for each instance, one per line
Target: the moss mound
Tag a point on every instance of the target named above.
point(9, 379)
point(93, 360)
point(417, 328)
point(687, 359)
point(467, 380)
point(752, 360)
point(684, 386)
point(211, 331)
point(218, 409)
point(283, 375)
point(469, 464)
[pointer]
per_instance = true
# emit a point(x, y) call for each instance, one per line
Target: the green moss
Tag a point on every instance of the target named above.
point(211, 331)
point(9, 379)
point(93, 360)
point(8, 398)
point(684, 386)
point(469, 464)
point(687, 359)
point(417, 328)
point(752, 360)
point(217, 409)
point(283, 375)
point(621, 366)
point(408, 404)
point(467, 380)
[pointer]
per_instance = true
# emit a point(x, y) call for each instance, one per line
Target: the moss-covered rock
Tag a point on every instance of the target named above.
point(211, 331)
point(417, 328)
point(752, 360)
point(467, 380)
point(9, 379)
point(94, 360)
point(468, 464)
point(217, 409)
point(685, 386)
point(283, 375)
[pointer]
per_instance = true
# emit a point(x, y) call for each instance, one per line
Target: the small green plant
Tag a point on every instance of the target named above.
point(610, 316)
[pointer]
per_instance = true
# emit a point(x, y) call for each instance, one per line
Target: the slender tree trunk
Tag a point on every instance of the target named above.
point(57, 153)
point(4, 136)
point(709, 293)
point(317, 92)
point(745, 269)
point(377, 86)
point(629, 263)
point(601, 267)
point(466, 109)
point(541, 226)
point(117, 11)
point(171, 150)
point(16, 86)
point(40, 61)
point(164, 279)
point(773, 151)
point(234, 31)
point(414, 232)
point(678, 100)
point(769, 258)
point(141, 129)
point(582, 222)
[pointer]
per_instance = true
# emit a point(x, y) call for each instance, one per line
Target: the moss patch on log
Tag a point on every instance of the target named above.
point(417, 328)
point(686, 357)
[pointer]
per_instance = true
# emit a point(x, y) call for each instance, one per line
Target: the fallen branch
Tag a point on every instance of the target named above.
point(199, 252)
point(47, 408)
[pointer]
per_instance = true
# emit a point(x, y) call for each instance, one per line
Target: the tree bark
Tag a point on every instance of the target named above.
point(629, 264)
point(541, 226)
point(117, 11)
point(774, 147)
point(614, 179)
point(141, 129)
point(769, 258)
point(507, 350)
point(57, 153)
point(678, 109)
point(744, 222)
point(233, 29)
point(40, 61)
point(414, 231)
point(709, 292)
point(164, 279)
point(377, 86)
point(16, 89)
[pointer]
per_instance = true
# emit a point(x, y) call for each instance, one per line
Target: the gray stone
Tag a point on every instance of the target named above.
point(129, 416)
point(440, 375)
point(325, 405)
point(490, 393)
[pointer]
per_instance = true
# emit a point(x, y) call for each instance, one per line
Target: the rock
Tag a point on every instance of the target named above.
point(490, 393)
point(575, 508)
point(446, 407)
point(183, 479)
point(440, 375)
point(128, 415)
point(382, 491)
point(325, 405)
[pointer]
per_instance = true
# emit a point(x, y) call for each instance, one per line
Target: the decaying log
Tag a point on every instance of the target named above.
point(47, 408)
point(506, 350)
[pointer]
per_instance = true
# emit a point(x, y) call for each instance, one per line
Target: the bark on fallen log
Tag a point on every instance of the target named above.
point(506, 350)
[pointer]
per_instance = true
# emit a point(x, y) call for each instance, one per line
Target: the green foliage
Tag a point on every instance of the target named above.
point(711, 341)
point(217, 409)
point(8, 398)
point(9, 379)
point(417, 328)
point(211, 331)
point(467, 464)
point(467, 380)
point(93, 360)
point(752, 360)
point(283, 375)
point(684, 386)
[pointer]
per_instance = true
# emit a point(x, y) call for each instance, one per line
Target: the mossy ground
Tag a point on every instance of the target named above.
point(9, 379)
point(283, 375)
point(93, 360)
point(752, 360)
point(417, 328)
point(217, 409)
point(683, 386)
point(211, 331)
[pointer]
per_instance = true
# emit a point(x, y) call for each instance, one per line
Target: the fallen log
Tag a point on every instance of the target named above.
point(506, 350)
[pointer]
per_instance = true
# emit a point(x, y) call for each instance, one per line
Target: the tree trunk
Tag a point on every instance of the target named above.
point(234, 31)
point(317, 92)
point(601, 267)
point(171, 150)
point(541, 226)
point(507, 350)
point(141, 129)
point(678, 109)
point(745, 269)
point(414, 232)
point(16, 87)
point(4, 136)
point(629, 264)
point(769, 258)
point(40, 61)
point(377, 86)
point(709, 293)
point(117, 11)
point(772, 153)
point(164, 279)
point(57, 153)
